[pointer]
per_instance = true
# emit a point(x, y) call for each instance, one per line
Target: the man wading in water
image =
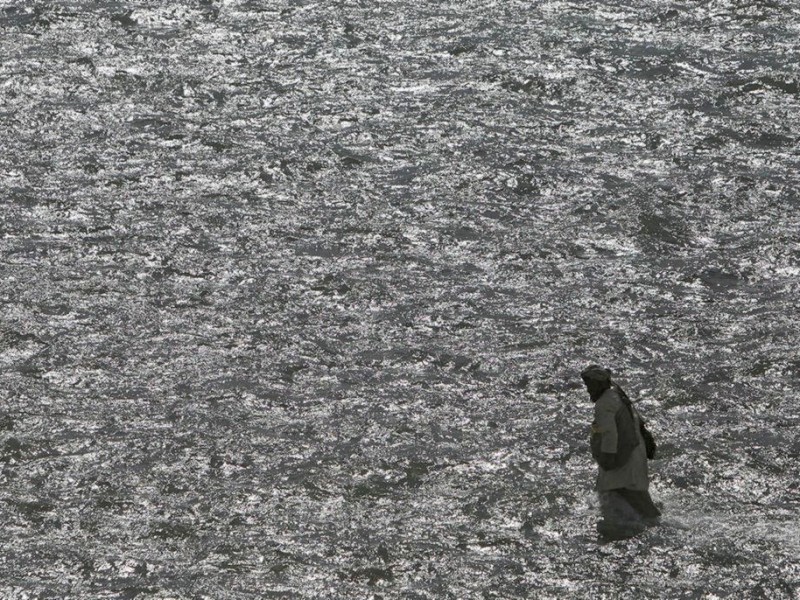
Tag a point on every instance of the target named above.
point(620, 446)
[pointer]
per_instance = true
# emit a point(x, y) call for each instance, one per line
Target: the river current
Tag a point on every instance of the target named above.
point(295, 296)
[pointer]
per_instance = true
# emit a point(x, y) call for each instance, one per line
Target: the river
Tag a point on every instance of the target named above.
point(296, 294)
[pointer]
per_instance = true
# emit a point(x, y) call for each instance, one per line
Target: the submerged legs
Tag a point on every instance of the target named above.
point(626, 513)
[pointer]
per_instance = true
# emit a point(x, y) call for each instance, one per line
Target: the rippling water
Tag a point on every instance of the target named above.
point(295, 296)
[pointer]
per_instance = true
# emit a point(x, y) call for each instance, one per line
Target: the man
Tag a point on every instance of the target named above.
point(619, 450)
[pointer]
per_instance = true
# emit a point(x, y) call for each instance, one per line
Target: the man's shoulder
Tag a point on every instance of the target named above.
point(609, 400)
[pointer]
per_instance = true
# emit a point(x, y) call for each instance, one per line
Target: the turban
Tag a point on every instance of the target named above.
point(596, 373)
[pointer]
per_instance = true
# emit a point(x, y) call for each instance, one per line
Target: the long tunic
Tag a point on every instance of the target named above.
point(633, 474)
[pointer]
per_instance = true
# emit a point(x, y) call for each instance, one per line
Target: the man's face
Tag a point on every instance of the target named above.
point(595, 388)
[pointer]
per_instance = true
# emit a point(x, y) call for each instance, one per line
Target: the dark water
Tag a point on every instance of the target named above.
point(295, 294)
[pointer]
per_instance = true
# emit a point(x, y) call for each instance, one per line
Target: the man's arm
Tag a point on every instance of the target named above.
point(606, 424)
